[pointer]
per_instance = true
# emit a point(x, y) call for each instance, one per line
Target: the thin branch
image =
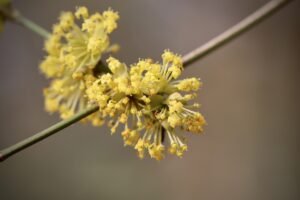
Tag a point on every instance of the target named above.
point(188, 59)
point(4, 154)
point(236, 30)
point(31, 25)
point(17, 17)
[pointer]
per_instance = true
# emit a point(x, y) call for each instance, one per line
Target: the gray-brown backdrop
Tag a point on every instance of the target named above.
point(250, 98)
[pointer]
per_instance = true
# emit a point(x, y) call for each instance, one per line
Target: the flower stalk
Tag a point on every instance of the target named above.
point(225, 37)
point(17, 17)
point(31, 25)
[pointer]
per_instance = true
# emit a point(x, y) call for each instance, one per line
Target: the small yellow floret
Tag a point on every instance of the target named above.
point(82, 12)
point(189, 84)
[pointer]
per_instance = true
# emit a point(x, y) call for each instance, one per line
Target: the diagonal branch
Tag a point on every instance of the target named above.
point(233, 32)
point(18, 18)
point(45, 133)
point(188, 59)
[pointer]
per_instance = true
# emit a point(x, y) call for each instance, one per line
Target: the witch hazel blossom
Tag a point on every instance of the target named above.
point(149, 103)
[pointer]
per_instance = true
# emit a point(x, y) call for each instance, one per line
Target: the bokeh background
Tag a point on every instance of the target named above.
point(250, 99)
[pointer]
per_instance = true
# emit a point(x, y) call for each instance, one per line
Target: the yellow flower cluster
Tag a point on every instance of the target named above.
point(73, 53)
point(146, 100)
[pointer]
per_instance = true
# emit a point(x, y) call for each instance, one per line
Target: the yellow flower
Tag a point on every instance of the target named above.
point(146, 99)
point(66, 95)
point(117, 99)
point(190, 84)
point(82, 12)
point(79, 49)
point(52, 67)
point(74, 51)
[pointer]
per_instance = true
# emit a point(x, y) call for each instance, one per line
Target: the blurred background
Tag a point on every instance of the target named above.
point(250, 99)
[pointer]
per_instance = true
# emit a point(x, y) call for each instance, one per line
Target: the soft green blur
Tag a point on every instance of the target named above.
point(250, 98)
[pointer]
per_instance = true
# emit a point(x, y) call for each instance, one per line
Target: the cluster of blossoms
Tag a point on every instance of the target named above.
point(145, 99)
point(73, 53)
